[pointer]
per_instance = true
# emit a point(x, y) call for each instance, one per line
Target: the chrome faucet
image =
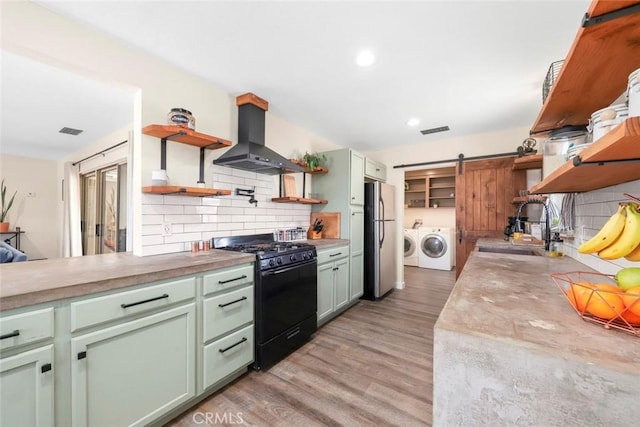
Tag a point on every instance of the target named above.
point(547, 230)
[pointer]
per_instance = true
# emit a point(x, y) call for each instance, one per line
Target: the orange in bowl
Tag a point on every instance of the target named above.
point(603, 300)
point(631, 299)
point(630, 317)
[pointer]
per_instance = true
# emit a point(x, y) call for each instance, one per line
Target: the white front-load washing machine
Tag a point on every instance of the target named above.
point(411, 247)
point(436, 248)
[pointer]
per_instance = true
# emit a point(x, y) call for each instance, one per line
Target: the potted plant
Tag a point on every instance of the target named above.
point(313, 160)
point(4, 226)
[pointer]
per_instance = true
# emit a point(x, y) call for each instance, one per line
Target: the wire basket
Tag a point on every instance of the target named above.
point(597, 299)
point(550, 79)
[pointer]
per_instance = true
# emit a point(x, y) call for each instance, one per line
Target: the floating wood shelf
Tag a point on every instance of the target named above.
point(533, 161)
point(185, 191)
point(301, 200)
point(318, 170)
point(602, 163)
point(186, 136)
point(596, 69)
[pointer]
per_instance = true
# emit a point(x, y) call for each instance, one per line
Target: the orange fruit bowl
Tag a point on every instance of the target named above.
point(597, 299)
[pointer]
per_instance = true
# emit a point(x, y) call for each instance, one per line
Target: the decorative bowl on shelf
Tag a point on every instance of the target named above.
point(597, 299)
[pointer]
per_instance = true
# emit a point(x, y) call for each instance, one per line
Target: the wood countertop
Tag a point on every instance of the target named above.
point(28, 283)
point(513, 299)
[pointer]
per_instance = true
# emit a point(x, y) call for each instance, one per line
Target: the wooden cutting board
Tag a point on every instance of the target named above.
point(289, 185)
point(331, 221)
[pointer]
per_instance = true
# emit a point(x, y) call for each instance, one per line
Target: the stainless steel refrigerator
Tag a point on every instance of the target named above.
point(380, 249)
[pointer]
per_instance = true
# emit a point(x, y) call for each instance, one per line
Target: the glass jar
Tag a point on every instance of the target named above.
point(556, 246)
point(181, 117)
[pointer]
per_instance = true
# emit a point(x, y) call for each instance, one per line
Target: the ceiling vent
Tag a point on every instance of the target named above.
point(434, 130)
point(70, 131)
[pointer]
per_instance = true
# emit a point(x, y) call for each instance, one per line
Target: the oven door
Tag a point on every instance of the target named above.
point(285, 297)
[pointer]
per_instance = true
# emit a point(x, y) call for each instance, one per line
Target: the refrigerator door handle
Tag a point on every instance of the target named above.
point(381, 221)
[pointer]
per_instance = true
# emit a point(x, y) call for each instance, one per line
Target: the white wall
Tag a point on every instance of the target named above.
point(37, 215)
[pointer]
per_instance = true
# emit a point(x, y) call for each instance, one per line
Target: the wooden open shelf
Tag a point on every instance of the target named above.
point(186, 136)
point(185, 191)
point(318, 170)
point(302, 200)
point(533, 161)
point(595, 71)
point(622, 143)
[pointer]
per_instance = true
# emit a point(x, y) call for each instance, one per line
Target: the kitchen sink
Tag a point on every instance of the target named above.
point(512, 250)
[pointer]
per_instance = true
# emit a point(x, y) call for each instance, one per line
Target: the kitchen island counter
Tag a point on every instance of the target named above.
point(28, 283)
point(510, 350)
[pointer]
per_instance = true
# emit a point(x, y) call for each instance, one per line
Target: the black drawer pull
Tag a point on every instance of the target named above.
point(222, 350)
point(82, 355)
point(339, 253)
point(45, 368)
point(232, 302)
point(10, 334)
point(163, 296)
point(222, 282)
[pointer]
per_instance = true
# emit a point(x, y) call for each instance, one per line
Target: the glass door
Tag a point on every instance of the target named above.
point(104, 223)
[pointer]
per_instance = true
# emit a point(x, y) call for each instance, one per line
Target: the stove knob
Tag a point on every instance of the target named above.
point(310, 254)
point(279, 261)
point(271, 263)
point(304, 255)
point(292, 257)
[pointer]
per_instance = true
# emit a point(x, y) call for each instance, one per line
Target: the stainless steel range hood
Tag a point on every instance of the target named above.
point(250, 153)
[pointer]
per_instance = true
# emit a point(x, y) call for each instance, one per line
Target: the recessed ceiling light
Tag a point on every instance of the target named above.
point(413, 122)
point(365, 58)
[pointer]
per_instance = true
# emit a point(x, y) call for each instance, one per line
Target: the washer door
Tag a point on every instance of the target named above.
point(409, 246)
point(434, 246)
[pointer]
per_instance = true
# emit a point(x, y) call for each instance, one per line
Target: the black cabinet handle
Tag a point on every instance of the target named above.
point(82, 355)
point(232, 302)
point(45, 368)
point(222, 282)
point(336, 269)
point(163, 296)
point(10, 334)
point(339, 253)
point(222, 350)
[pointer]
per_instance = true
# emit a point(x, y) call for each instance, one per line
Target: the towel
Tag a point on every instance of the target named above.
point(10, 254)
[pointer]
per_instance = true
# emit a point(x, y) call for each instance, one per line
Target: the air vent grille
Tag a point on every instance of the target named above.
point(434, 130)
point(70, 131)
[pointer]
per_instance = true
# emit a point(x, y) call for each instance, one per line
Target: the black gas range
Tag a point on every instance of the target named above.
point(286, 293)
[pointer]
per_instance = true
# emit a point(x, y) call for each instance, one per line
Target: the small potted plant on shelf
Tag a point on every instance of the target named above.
point(4, 226)
point(312, 160)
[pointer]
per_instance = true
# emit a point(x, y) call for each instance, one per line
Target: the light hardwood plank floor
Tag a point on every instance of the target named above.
point(370, 366)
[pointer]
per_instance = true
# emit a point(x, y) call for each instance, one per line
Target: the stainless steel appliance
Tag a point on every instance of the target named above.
point(286, 295)
point(380, 246)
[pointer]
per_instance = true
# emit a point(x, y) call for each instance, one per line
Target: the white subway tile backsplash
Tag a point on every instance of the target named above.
point(210, 210)
point(162, 209)
point(152, 219)
point(194, 218)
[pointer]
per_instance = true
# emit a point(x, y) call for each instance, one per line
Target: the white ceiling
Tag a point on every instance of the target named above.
point(38, 100)
point(476, 66)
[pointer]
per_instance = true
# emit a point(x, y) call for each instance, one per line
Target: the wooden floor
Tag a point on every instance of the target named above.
point(370, 366)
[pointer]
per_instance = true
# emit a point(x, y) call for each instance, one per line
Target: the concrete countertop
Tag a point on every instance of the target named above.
point(28, 283)
point(512, 298)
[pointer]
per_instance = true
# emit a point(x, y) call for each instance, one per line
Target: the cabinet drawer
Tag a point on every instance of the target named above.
point(228, 278)
point(25, 328)
point(330, 255)
point(227, 355)
point(226, 312)
point(375, 170)
point(123, 304)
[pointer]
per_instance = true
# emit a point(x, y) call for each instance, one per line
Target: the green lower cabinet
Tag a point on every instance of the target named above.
point(333, 282)
point(357, 276)
point(132, 373)
point(26, 388)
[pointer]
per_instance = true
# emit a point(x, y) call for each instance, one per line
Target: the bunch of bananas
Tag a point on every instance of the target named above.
point(619, 237)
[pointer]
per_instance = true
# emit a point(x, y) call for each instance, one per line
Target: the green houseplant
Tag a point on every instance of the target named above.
point(313, 160)
point(4, 226)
